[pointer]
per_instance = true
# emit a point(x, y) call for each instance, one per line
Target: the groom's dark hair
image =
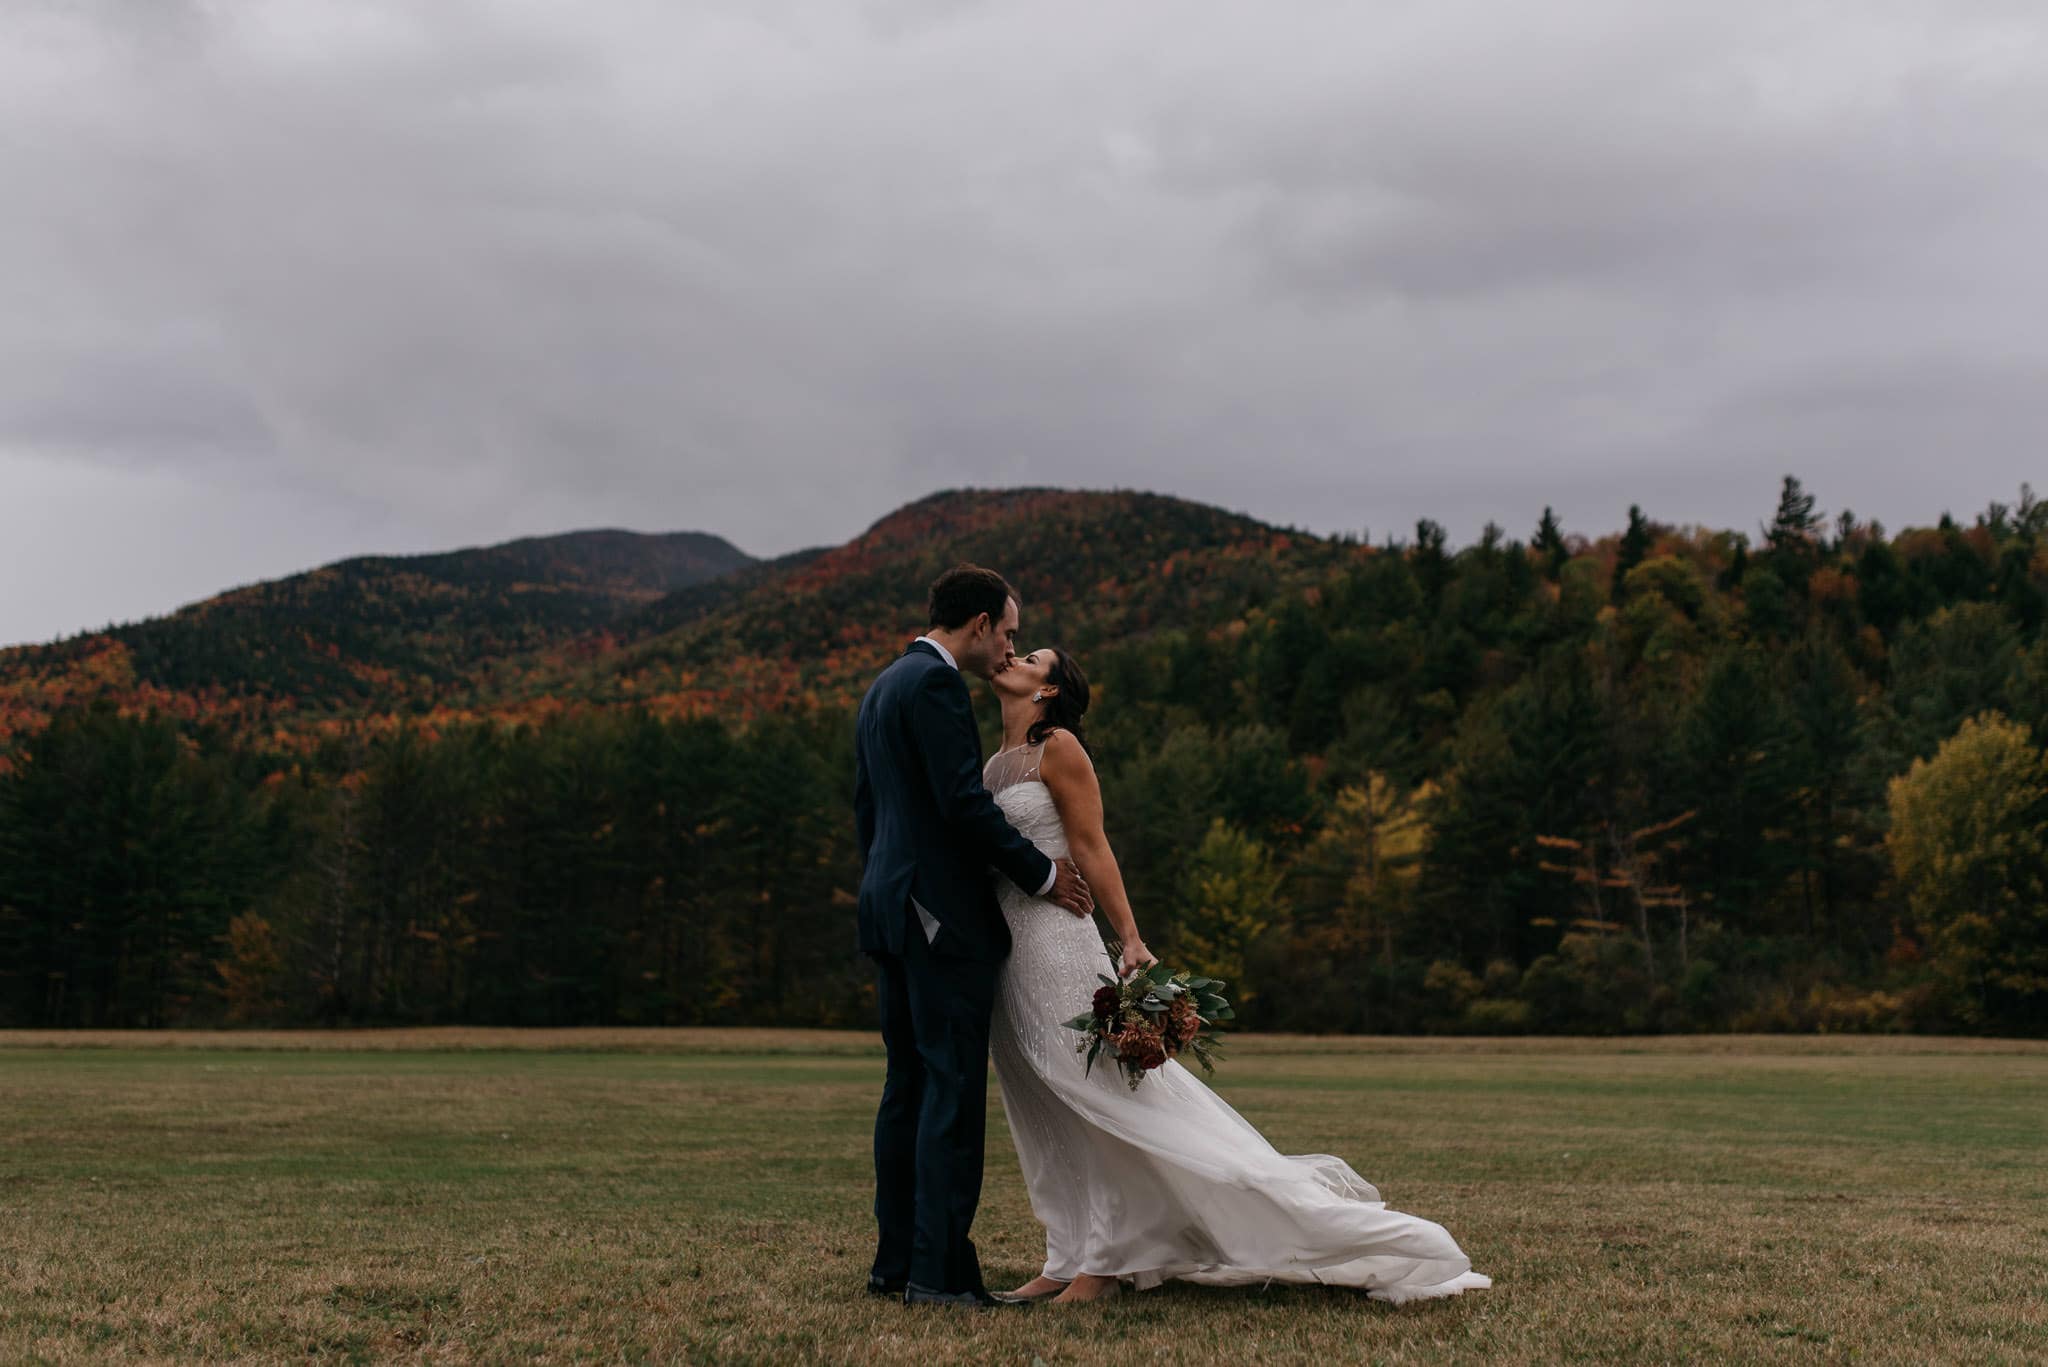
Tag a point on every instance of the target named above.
point(965, 592)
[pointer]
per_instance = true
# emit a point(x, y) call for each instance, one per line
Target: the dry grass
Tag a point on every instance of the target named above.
point(667, 1196)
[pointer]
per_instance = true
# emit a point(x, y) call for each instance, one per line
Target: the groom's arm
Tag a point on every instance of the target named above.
point(863, 803)
point(950, 752)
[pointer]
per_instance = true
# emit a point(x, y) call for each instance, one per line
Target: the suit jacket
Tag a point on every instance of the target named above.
point(927, 827)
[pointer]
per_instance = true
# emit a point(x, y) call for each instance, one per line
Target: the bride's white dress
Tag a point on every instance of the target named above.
point(1166, 1180)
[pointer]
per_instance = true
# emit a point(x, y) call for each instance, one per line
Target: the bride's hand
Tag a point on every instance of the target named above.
point(1136, 957)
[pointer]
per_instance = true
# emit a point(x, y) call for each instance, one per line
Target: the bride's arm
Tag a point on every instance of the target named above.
point(1070, 775)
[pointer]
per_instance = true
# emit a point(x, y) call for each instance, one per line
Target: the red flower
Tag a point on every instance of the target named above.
point(1106, 1003)
point(1142, 1046)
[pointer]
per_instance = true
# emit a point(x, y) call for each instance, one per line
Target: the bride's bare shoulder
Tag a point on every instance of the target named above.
point(1062, 750)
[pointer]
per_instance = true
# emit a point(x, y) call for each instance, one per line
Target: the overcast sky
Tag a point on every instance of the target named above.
point(283, 281)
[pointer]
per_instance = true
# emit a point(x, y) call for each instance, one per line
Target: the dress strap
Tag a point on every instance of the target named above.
point(1036, 750)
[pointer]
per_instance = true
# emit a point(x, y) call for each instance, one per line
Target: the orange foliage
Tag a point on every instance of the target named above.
point(1831, 585)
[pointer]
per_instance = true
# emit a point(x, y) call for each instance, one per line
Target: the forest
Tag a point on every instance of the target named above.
point(1669, 779)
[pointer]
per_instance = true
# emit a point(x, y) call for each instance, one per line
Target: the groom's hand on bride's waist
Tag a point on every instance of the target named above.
point(1070, 889)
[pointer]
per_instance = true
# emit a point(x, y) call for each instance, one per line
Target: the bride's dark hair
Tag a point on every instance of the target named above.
point(1063, 710)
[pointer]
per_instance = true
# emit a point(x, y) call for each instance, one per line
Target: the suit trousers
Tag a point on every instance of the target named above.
point(933, 1120)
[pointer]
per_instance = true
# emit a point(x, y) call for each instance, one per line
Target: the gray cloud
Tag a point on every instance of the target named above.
point(289, 281)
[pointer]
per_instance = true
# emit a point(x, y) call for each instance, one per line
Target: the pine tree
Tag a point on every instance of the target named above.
point(1526, 763)
point(1952, 665)
point(1796, 525)
point(1884, 593)
point(1793, 539)
point(1823, 698)
point(1738, 565)
point(125, 852)
point(1633, 550)
point(2016, 589)
point(1735, 753)
point(1550, 545)
point(1431, 563)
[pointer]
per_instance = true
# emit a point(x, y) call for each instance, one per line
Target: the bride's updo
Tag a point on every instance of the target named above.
point(1064, 710)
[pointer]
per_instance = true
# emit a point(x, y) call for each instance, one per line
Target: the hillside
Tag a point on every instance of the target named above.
point(684, 624)
point(814, 627)
point(371, 633)
point(1665, 780)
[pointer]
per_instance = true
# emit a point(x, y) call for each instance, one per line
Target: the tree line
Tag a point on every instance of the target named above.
point(1676, 779)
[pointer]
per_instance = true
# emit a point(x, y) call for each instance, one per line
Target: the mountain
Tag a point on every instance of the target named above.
point(684, 624)
point(814, 627)
point(372, 633)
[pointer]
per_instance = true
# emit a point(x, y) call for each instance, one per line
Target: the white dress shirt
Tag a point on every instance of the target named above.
point(939, 646)
point(931, 924)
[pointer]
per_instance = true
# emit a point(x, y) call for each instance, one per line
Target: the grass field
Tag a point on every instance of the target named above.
point(660, 1196)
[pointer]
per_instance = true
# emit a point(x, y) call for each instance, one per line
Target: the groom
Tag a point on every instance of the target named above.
point(928, 832)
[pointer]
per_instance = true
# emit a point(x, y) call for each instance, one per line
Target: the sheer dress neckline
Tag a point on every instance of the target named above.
point(1008, 768)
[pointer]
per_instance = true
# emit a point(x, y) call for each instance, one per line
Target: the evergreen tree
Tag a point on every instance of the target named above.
point(1526, 765)
point(1429, 560)
point(1884, 594)
point(1793, 540)
point(1735, 753)
point(1738, 565)
point(1955, 664)
point(1956, 573)
point(124, 855)
point(1796, 526)
point(1157, 806)
point(2018, 589)
point(1767, 606)
point(1634, 548)
point(1550, 545)
point(1824, 695)
point(1290, 648)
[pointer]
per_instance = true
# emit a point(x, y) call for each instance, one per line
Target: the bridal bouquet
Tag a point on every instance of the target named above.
point(1150, 1017)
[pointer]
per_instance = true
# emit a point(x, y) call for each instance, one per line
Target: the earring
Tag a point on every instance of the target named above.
point(1038, 697)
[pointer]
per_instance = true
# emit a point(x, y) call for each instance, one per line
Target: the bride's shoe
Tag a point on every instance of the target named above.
point(1013, 1298)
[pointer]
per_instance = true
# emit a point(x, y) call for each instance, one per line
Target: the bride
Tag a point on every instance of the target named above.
point(1164, 1180)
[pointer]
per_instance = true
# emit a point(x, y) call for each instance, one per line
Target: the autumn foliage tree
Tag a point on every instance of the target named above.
point(1231, 897)
point(1969, 841)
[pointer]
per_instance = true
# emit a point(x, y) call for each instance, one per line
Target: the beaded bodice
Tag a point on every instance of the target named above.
point(1006, 768)
point(1012, 778)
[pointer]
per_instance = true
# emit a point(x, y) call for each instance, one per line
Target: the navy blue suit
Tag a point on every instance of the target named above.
point(929, 830)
